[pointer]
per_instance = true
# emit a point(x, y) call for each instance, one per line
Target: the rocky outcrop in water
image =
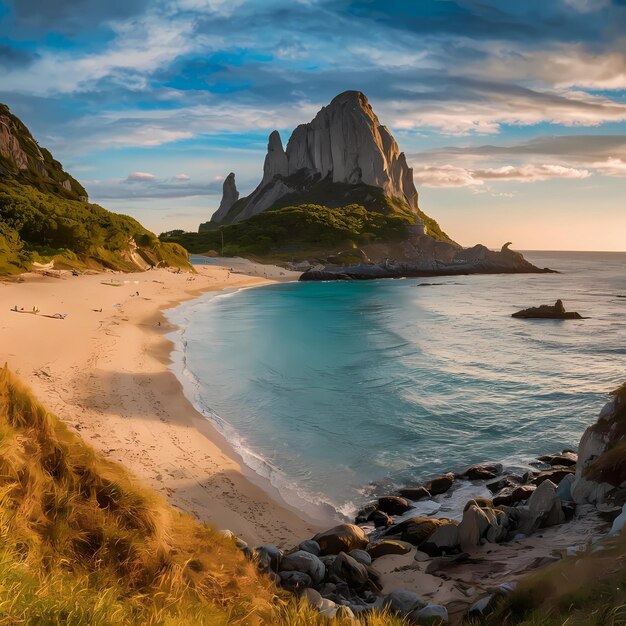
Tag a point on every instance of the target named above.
point(344, 145)
point(420, 255)
point(548, 312)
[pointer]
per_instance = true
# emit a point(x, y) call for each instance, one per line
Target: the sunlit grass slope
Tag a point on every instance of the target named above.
point(82, 543)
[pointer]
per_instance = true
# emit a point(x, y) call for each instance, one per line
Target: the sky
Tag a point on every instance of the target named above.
point(512, 114)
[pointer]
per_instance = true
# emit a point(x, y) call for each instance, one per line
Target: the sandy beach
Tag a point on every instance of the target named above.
point(103, 369)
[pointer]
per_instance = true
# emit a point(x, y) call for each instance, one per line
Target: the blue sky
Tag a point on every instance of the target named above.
point(512, 114)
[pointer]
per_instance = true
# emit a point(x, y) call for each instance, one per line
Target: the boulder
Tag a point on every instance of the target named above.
point(556, 475)
point(361, 556)
point(342, 538)
point(294, 581)
point(305, 562)
point(618, 523)
point(430, 615)
point(393, 505)
point(310, 546)
point(416, 530)
point(445, 540)
point(313, 597)
point(474, 526)
point(564, 490)
point(510, 496)
point(546, 311)
point(482, 472)
point(388, 546)
point(545, 505)
point(379, 519)
point(440, 485)
point(415, 493)
point(564, 459)
point(362, 515)
point(403, 601)
point(349, 570)
point(269, 557)
point(508, 482)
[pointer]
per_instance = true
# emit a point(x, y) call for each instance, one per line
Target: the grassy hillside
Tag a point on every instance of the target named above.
point(82, 543)
point(297, 230)
point(37, 226)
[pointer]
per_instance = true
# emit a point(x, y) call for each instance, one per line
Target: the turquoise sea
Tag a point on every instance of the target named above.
point(337, 391)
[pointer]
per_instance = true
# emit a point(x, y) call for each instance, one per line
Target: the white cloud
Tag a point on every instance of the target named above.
point(611, 167)
point(136, 177)
point(586, 6)
point(454, 176)
point(182, 177)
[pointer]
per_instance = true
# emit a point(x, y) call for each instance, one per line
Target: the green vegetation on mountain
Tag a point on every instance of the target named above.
point(81, 543)
point(45, 216)
point(297, 230)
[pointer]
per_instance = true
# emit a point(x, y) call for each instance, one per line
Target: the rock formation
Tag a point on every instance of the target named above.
point(22, 159)
point(548, 312)
point(345, 144)
point(230, 195)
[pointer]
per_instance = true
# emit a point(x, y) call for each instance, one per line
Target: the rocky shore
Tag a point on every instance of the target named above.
point(421, 259)
point(568, 497)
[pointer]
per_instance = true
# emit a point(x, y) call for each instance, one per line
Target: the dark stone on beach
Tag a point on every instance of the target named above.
point(565, 459)
point(306, 562)
point(362, 515)
point(388, 546)
point(268, 557)
point(310, 546)
point(545, 311)
point(348, 569)
point(393, 505)
point(510, 496)
point(342, 538)
point(379, 519)
point(440, 484)
point(417, 529)
point(482, 503)
point(361, 556)
point(293, 581)
point(415, 493)
point(403, 601)
point(555, 475)
point(508, 481)
point(482, 472)
point(569, 508)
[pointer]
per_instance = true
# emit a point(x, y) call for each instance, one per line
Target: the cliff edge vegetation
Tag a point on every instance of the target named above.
point(46, 217)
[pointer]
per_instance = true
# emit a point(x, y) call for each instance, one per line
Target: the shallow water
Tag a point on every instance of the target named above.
point(337, 389)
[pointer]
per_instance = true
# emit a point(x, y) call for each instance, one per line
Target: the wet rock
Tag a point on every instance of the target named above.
point(545, 311)
point(342, 538)
point(618, 523)
point(375, 583)
point(403, 601)
point(294, 581)
point(440, 484)
point(510, 496)
point(379, 519)
point(565, 459)
point(310, 546)
point(348, 569)
point(431, 614)
point(555, 475)
point(393, 505)
point(388, 546)
point(482, 471)
point(363, 514)
point(361, 556)
point(305, 562)
point(415, 493)
point(508, 482)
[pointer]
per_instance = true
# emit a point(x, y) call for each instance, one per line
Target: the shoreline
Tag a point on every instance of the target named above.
point(115, 387)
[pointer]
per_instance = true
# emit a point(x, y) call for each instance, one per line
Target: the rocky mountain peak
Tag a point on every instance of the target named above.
point(230, 195)
point(344, 145)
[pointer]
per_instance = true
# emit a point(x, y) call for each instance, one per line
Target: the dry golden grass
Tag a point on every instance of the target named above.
point(82, 543)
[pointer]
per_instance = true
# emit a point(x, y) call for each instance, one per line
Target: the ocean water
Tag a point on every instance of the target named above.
point(337, 391)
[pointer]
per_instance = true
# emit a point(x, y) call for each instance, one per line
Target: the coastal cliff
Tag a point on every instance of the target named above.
point(46, 220)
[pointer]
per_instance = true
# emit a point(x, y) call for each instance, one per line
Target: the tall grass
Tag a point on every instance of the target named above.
point(81, 543)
